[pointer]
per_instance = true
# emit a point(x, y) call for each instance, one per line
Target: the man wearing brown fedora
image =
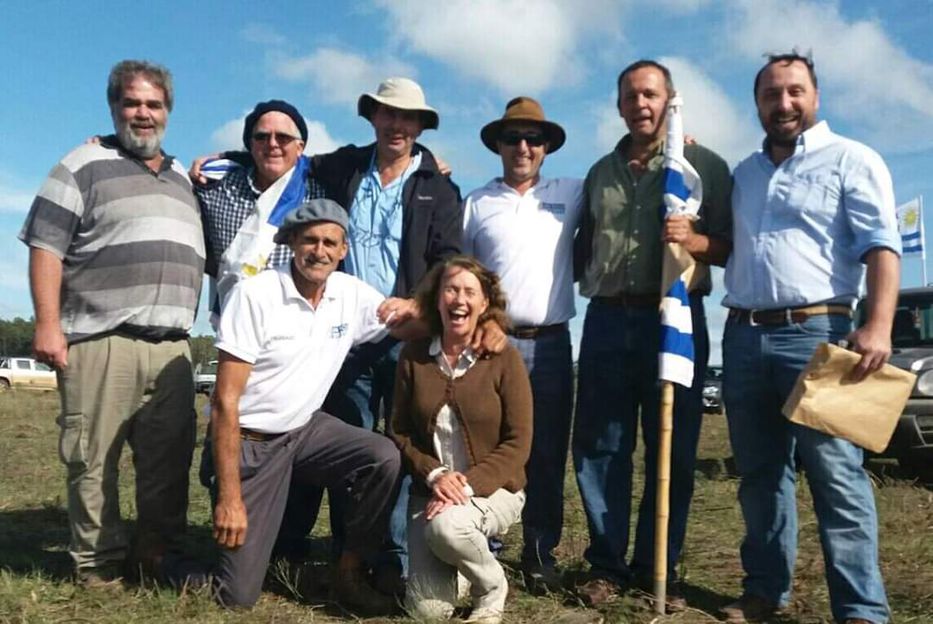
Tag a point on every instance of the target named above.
point(521, 226)
point(618, 252)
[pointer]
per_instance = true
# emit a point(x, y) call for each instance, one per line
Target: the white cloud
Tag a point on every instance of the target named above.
point(339, 76)
point(865, 77)
point(681, 6)
point(13, 197)
point(517, 46)
point(262, 34)
point(709, 115)
point(230, 137)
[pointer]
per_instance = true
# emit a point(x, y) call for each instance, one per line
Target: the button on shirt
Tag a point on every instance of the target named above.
point(528, 241)
point(449, 440)
point(623, 219)
point(296, 350)
point(376, 228)
point(802, 228)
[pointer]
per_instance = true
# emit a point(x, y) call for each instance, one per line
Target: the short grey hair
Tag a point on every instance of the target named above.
point(126, 70)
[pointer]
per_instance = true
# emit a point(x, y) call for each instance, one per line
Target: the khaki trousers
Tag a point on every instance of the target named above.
point(118, 389)
point(456, 541)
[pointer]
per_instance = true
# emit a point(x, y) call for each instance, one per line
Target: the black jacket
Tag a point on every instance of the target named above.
point(432, 216)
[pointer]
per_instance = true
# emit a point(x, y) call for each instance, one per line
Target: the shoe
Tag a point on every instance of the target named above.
point(542, 579)
point(388, 580)
point(182, 572)
point(598, 591)
point(107, 576)
point(748, 608)
point(488, 608)
point(674, 600)
point(352, 592)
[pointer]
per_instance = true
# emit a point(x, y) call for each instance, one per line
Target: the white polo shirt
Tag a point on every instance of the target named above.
point(528, 241)
point(296, 350)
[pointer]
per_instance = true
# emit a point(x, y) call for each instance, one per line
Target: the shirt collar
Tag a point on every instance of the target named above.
point(251, 181)
point(810, 139)
point(436, 349)
point(657, 158)
point(112, 142)
point(291, 291)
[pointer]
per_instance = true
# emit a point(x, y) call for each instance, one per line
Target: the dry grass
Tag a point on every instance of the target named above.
point(34, 565)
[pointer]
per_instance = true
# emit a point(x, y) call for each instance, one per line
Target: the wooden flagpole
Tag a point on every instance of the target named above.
point(662, 500)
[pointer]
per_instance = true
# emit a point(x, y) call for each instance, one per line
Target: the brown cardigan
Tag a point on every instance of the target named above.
point(492, 401)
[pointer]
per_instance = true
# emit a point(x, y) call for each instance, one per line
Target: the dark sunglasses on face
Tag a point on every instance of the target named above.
point(280, 138)
point(533, 139)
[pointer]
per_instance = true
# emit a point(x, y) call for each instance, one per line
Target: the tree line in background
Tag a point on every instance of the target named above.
point(16, 340)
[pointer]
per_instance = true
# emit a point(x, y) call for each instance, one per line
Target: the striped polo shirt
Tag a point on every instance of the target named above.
point(130, 242)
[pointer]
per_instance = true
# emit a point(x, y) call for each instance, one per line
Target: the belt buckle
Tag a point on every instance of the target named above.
point(751, 318)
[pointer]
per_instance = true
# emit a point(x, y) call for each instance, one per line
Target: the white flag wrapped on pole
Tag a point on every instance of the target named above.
point(910, 226)
point(683, 194)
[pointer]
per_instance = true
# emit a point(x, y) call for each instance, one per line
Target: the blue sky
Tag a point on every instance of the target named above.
point(873, 59)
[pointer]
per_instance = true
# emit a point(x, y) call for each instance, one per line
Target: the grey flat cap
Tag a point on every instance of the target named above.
point(313, 211)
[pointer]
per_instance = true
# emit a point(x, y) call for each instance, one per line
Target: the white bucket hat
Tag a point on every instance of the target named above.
point(401, 93)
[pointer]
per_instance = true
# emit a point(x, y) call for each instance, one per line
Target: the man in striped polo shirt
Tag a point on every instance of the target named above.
point(115, 263)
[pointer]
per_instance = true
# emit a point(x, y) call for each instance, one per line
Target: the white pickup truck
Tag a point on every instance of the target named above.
point(22, 372)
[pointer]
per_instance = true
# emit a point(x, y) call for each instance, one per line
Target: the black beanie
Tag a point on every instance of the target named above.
point(280, 106)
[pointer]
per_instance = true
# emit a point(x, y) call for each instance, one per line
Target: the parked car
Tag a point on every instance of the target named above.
point(26, 373)
point(712, 390)
point(912, 342)
point(205, 376)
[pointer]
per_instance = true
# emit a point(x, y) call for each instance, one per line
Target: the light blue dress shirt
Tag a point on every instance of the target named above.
point(801, 229)
point(376, 228)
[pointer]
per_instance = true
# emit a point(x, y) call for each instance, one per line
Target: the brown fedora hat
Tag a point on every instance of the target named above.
point(523, 108)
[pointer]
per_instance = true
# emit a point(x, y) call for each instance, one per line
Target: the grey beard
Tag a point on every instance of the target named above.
point(144, 148)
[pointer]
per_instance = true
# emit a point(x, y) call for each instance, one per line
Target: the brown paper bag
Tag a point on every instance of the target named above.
point(864, 413)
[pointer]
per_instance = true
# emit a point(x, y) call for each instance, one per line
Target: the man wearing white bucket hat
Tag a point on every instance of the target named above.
point(404, 216)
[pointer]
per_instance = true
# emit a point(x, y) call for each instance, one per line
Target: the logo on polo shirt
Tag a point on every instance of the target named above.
point(557, 209)
point(338, 331)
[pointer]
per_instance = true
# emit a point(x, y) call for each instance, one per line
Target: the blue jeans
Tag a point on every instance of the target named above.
point(760, 366)
point(617, 381)
point(549, 362)
point(362, 391)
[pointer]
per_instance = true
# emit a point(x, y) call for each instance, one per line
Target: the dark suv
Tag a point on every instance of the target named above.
point(912, 342)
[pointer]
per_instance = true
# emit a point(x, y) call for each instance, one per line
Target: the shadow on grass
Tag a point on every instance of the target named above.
point(35, 540)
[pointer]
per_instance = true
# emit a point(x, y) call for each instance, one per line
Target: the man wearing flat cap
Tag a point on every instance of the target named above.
point(521, 225)
point(618, 261)
point(291, 328)
point(404, 216)
point(247, 198)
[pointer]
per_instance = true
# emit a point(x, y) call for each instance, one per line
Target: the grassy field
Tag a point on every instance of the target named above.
point(35, 569)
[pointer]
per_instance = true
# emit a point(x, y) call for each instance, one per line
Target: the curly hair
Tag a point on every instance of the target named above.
point(429, 289)
point(125, 71)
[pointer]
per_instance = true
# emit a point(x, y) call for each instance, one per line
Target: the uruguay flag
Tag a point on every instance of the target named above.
point(910, 225)
point(683, 194)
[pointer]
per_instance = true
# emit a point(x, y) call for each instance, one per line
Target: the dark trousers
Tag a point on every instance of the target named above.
point(618, 386)
point(362, 391)
point(324, 453)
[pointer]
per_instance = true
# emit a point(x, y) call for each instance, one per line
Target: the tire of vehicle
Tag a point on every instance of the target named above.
point(4, 385)
point(918, 468)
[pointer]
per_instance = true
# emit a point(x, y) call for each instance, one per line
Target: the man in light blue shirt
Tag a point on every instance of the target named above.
point(811, 211)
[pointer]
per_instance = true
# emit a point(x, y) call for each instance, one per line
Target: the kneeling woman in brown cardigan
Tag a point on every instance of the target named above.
point(463, 425)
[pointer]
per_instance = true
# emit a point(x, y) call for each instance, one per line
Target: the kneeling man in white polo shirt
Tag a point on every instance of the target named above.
point(282, 339)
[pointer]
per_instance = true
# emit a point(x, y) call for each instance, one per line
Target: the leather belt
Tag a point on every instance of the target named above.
point(258, 436)
point(533, 331)
point(786, 316)
point(626, 300)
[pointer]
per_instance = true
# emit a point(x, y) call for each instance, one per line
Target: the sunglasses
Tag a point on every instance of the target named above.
point(533, 139)
point(280, 138)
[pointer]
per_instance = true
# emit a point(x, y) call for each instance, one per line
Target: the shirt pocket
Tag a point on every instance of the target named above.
point(811, 196)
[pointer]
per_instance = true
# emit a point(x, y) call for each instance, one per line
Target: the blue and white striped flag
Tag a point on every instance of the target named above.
point(683, 194)
point(910, 225)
